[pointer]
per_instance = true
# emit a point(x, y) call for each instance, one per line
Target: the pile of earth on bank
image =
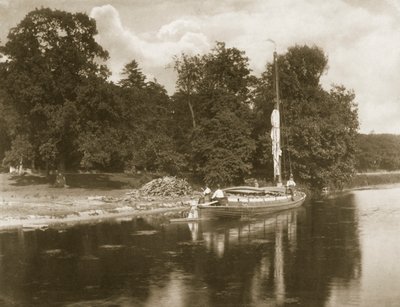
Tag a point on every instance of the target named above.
point(167, 186)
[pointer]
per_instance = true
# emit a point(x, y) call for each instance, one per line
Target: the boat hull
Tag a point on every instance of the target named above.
point(251, 206)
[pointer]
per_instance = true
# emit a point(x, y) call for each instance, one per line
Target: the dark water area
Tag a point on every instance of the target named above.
point(339, 252)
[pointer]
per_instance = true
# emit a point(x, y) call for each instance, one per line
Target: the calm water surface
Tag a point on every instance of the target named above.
point(340, 252)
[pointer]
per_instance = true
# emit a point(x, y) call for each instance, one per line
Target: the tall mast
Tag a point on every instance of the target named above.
point(277, 101)
point(276, 128)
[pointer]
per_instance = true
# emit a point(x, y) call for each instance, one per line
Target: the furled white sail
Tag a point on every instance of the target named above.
point(276, 146)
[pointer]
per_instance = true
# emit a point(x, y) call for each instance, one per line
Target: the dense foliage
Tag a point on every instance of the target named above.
point(49, 55)
point(378, 152)
point(60, 110)
point(320, 127)
point(215, 89)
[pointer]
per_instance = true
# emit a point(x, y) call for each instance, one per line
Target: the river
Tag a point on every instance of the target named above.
point(339, 252)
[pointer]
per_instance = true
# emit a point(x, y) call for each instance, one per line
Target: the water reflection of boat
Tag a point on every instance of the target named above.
point(216, 234)
point(245, 200)
point(274, 235)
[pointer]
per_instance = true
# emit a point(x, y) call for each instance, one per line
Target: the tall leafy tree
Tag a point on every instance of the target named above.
point(49, 54)
point(147, 116)
point(99, 143)
point(189, 69)
point(320, 127)
point(219, 89)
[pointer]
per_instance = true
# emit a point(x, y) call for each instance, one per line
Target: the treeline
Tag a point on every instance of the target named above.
point(378, 152)
point(60, 111)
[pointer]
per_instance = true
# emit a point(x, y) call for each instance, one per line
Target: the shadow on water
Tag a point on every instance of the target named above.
point(290, 258)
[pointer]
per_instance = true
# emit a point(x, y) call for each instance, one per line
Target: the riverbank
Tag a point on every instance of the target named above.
point(30, 201)
point(370, 179)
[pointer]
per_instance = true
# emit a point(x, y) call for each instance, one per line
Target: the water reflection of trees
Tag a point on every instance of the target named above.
point(294, 257)
point(84, 262)
point(290, 257)
point(328, 251)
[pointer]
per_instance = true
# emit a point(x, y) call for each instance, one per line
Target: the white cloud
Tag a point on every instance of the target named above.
point(150, 50)
point(176, 29)
point(4, 3)
point(363, 46)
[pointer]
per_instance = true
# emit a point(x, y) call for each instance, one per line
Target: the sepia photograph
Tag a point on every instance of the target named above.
point(203, 153)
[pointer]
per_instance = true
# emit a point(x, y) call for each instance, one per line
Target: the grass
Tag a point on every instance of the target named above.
point(102, 181)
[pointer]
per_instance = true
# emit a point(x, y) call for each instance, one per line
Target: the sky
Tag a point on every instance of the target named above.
point(360, 37)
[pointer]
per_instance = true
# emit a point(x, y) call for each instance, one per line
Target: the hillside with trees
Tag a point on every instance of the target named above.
point(59, 110)
point(378, 152)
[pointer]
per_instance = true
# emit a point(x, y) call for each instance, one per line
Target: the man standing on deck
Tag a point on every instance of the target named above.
point(219, 195)
point(207, 194)
point(290, 185)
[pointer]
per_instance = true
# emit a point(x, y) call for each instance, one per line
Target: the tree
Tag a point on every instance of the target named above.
point(133, 76)
point(20, 152)
point(218, 84)
point(320, 127)
point(145, 112)
point(189, 71)
point(6, 118)
point(378, 152)
point(49, 54)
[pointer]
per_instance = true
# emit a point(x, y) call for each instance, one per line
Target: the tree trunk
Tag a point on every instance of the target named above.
point(191, 112)
point(61, 163)
point(33, 166)
point(60, 177)
point(20, 167)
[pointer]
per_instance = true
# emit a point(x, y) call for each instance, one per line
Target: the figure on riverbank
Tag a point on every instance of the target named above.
point(256, 183)
point(60, 181)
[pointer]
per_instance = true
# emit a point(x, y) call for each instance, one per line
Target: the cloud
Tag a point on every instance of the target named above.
point(178, 28)
point(363, 46)
point(4, 3)
point(151, 50)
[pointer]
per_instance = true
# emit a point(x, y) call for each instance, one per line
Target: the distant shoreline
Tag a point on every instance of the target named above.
point(374, 179)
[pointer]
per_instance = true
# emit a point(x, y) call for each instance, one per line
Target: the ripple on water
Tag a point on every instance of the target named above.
point(144, 233)
point(111, 247)
point(52, 252)
point(191, 243)
point(89, 258)
point(260, 241)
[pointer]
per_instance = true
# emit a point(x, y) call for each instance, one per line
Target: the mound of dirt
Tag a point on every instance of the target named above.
point(166, 186)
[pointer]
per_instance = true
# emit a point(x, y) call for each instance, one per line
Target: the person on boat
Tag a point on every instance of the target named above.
point(219, 196)
point(290, 185)
point(207, 194)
